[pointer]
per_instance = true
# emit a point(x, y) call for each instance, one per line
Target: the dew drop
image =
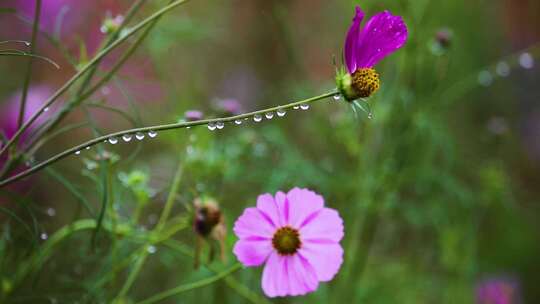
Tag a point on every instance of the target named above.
point(152, 134)
point(220, 125)
point(77, 152)
point(43, 236)
point(127, 137)
point(139, 136)
point(105, 90)
point(103, 29)
point(485, 78)
point(304, 106)
point(27, 43)
point(51, 212)
point(526, 61)
point(370, 115)
point(269, 115)
point(87, 148)
point(238, 122)
point(296, 107)
point(281, 112)
point(45, 109)
point(503, 69)
point(337, 97)
point(257, 118)
point(151, 249)
point(211, 126)
point(113, 140)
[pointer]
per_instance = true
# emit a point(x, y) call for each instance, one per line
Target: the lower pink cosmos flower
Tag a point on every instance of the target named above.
point(296, 236)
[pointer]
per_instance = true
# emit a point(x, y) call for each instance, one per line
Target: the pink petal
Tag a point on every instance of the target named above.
point(351, 41)
point(284, 208)
point(252, 252)
point(270, 208)
point(253, 224)
point(326, 226)
point(288, 275)
point(382, 35)
point(303, 206)
point(326, 258)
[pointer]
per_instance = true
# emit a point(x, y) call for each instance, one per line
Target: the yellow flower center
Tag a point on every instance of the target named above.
point(365, 82)
point(286, 240)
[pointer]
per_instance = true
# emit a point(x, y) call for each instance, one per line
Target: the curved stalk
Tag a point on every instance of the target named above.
point(179, 125)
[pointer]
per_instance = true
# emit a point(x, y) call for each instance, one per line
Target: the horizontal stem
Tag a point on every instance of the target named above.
point(87, 67)
point(179, 125)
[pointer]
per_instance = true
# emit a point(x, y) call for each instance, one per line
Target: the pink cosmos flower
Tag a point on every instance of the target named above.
point(9, 111)
point(498, 290)
point(296, 236)
point(365, 46)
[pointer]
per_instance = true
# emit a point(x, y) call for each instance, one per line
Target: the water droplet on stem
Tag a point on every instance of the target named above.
point(139, 136)
point(281, 112)
point(257, 118)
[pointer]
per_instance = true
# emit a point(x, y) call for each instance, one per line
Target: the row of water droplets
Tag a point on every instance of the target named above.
point(503, 69)
point(113, 140)
point(256, 117)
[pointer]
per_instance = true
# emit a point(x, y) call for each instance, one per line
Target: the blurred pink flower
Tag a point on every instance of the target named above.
point(193, 115)
point(229, 106)
point(296, 236)
point(9, 113)
point(497, 291)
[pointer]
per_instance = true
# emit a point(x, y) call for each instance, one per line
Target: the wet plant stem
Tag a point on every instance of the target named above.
point(26, 84)
point(156, 128)
point(87, 68)
point(81, 94)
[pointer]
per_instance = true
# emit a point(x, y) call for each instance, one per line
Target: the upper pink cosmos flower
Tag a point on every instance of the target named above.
point(296, 236)
point(382, 35)
point(364, 47)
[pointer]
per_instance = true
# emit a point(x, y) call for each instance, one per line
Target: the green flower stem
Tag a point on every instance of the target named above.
point(87, 67)
point(26, 84)
point(159, 227)
point(190, 286)
point(179, 125)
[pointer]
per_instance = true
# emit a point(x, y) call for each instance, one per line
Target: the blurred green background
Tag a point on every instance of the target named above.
point(439, 190)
